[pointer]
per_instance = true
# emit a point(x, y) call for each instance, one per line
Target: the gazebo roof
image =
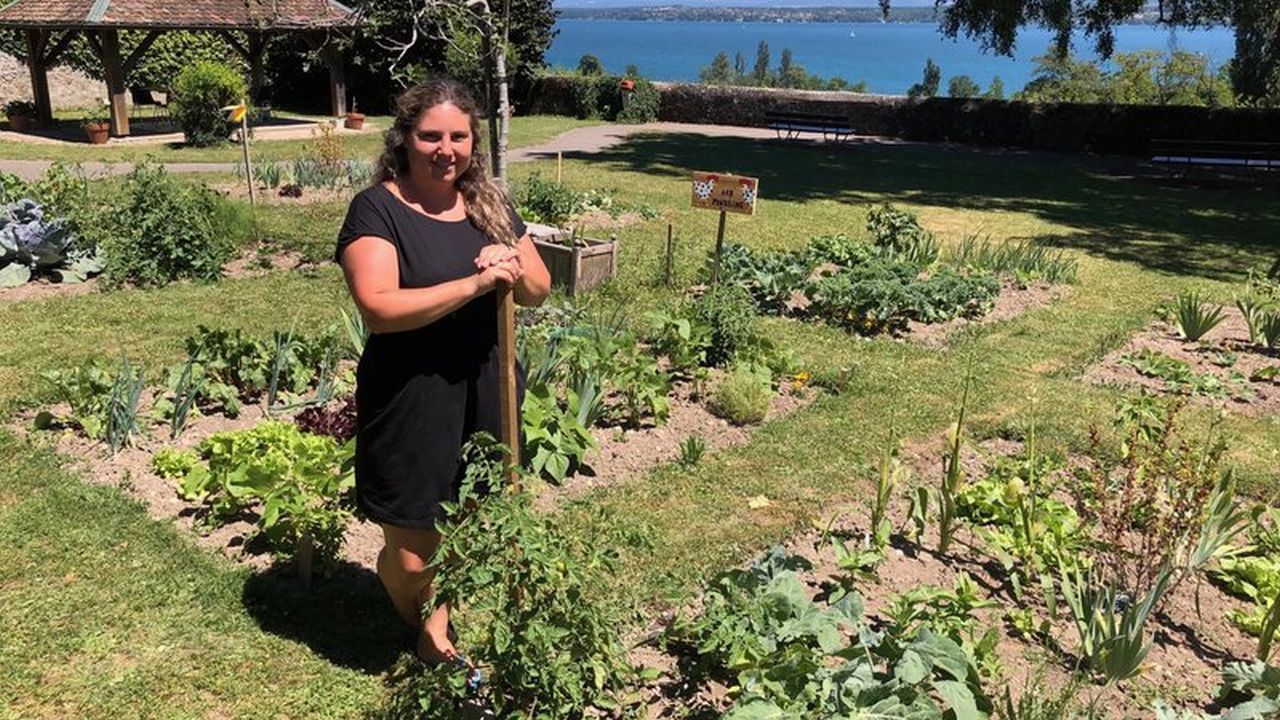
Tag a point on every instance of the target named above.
point(183, 15)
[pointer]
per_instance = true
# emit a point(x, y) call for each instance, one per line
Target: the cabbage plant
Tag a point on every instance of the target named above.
point(31, 243)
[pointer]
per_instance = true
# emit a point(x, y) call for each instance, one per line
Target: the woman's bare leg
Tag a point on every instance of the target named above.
point(402, 568)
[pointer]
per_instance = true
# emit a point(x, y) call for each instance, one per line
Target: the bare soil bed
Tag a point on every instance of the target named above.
point(249, 264)
point(619, 455)
point(622, 454)
point(1224, 353)
point(1192, 638)
point(273, 196)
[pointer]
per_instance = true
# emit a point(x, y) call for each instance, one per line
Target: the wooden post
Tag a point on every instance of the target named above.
point(244, 146)
point(113, 69)
point(715, 269)
point(668, 270)
point(337, 81)
point(508, 412)
point(36, 41)
point(559, 166)
point(257, 70)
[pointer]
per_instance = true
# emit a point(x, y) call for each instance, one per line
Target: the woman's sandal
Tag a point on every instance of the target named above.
point(475, 678)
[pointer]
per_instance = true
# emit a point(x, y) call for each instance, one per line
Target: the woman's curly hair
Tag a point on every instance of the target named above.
point(485, 201)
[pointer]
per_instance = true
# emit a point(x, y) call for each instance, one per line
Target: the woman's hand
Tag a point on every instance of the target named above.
point(495, 253)
point(503, 273)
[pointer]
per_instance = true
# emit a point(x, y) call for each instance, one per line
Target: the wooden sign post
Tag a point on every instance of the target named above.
point(240, 114)
point(726, 193)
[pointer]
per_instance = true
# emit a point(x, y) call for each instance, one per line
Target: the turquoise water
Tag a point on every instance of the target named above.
point(889, 56)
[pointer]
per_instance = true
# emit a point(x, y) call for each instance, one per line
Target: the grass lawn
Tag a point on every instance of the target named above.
point(105, 613)
point(526, 130)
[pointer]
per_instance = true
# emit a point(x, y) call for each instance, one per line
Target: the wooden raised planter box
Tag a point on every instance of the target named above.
point(580, 267)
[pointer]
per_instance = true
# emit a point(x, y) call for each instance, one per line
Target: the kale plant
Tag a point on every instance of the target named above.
point(33, 241)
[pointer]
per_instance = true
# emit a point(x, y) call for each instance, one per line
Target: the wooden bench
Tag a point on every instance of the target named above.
point(1216, 153)
point(789, 125)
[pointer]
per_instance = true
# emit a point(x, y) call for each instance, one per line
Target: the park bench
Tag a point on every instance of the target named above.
point(1216, 153)
point(789, 125)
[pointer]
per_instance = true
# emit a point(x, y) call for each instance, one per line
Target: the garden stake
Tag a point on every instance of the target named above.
point(509, 414)
point(559, 166)
point(715, 269)
point(244, 146)
point(667, 270)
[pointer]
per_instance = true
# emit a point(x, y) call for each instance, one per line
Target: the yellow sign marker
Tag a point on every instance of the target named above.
point(726, 193)
point(235, 113)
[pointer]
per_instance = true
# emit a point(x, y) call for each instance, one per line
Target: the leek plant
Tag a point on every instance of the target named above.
point(1195, 316)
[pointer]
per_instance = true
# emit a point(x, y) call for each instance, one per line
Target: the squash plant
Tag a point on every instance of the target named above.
point(555, 440)
point(795, 659)
point(298, 482)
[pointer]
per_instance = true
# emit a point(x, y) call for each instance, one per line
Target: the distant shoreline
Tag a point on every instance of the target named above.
point(774, 14)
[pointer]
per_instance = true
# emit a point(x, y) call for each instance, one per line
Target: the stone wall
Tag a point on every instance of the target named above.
point(1115, 129)
point(68, 89)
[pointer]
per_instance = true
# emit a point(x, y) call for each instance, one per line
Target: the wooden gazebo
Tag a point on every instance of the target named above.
point(50, 26)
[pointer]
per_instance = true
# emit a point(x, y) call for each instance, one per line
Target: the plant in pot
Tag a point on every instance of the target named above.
point(97, 125)
point(354, 119)
point(22, 114)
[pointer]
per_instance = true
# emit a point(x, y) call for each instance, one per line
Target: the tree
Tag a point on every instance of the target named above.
point(1255, 71)
point(761, 71)
point(790, 75)
point(590, 65)
point(632, 71)
point(995, 91)
point(963, 86)
point(401, 40)
point(719, 73)
point(739, 64)
point(928, 87)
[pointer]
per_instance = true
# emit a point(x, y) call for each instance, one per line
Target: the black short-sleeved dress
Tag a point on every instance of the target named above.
point(421, 393)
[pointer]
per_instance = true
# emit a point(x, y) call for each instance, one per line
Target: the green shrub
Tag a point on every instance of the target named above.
point(199, 94)
point(546, 201)
point(729, 313)
point(641, 104)
point(166, 230)
point(898, 233)
point(742, 397)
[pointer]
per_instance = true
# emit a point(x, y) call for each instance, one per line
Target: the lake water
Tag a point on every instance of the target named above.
point(889, 56)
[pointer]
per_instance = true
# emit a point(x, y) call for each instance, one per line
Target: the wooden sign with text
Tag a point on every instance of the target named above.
point(726, 193)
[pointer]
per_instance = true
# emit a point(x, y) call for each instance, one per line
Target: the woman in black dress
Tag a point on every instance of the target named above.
point(423, 250)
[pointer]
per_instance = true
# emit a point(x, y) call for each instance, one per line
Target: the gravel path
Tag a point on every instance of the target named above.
point(591, 139)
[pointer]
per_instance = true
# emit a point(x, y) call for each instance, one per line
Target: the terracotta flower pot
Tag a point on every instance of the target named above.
point(354, 121)
point(20, 123)
point(97, 132)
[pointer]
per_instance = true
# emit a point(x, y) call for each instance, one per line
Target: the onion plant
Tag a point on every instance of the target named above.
point(1195, 316)
point(952, 474)
point(122, 405)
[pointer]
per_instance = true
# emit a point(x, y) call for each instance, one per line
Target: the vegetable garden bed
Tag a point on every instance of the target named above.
point(1230, 362)
point(781, 638)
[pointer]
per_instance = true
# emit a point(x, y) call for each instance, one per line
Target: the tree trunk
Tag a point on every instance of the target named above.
point(504, 95)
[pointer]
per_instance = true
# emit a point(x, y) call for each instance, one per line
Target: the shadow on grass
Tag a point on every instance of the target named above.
point(1216, 232)
point(346, 619)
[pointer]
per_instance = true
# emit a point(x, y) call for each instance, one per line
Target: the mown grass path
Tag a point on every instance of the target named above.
point(104, 613)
